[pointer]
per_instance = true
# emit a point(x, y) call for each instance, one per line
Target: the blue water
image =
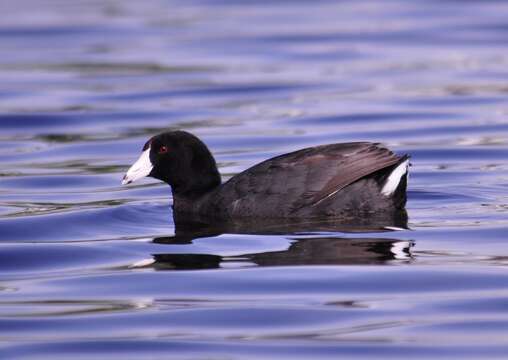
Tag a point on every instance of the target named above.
point(93, 270)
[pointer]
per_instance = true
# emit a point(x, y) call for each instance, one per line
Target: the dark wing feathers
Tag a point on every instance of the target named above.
point(352, 167)
point(306, 177)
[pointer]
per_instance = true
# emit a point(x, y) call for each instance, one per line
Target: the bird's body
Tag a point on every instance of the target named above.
point(347, 180)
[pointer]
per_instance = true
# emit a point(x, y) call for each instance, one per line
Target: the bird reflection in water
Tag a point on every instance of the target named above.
point(306, 247)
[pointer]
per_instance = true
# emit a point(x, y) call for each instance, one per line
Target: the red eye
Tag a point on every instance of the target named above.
point(163, 149)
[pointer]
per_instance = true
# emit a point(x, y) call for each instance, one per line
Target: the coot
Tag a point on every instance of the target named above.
point(348, 180)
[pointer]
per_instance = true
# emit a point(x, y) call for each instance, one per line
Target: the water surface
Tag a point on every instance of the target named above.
point(91, 269)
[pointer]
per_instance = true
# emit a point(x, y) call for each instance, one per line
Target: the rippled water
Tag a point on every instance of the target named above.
point(91, 269)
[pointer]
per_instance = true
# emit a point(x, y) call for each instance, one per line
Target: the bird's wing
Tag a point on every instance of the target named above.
point(308, 176)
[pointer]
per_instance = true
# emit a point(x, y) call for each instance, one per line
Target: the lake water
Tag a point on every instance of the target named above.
point(92, 269)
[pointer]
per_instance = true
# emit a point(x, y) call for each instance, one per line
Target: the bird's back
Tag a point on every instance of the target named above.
point(338, 180)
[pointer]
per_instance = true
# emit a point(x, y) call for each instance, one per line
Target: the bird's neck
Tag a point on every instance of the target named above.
point(193, 203)
point(195, 188)
point(196, 181)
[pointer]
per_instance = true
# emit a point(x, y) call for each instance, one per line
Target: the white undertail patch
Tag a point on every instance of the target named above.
point(393, 180)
